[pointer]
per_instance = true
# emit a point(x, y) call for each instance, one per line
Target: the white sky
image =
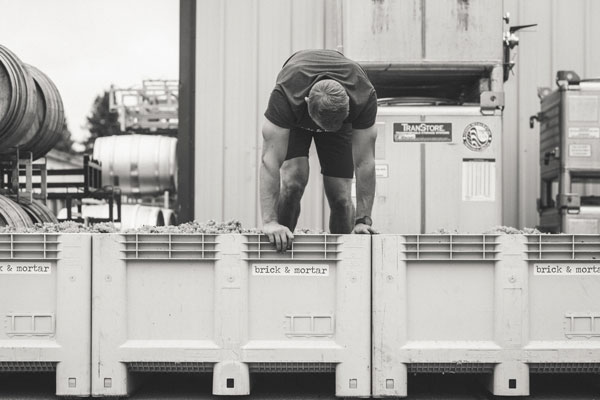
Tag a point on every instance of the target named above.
point(85, 45)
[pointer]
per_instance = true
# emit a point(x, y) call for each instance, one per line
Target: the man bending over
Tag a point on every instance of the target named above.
point(320, 95)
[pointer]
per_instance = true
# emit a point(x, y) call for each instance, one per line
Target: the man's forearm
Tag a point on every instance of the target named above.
point(365, 188)
point(269, 192)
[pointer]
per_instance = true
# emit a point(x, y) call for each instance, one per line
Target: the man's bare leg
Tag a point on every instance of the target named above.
point(294, 177)
point(338, 191)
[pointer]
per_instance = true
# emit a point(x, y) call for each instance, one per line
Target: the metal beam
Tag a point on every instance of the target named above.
point(187, 105)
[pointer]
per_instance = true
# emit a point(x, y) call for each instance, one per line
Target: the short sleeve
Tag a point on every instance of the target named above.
point(367, 116)
point(279, 111)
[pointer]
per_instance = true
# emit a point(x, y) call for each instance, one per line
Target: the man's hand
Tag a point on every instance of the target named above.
point(364, 229)
point(279, 235)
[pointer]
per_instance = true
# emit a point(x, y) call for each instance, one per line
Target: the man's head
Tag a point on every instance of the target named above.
point(328, 104)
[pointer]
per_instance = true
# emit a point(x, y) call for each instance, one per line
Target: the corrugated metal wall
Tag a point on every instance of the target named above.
point(566, 38)
point(241, 45)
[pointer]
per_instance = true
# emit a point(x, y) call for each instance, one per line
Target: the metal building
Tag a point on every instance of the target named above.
point(232, 50)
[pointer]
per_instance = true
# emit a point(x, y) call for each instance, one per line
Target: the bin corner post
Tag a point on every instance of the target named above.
point(109, 317)
point(231, 376)
point(73, 326)
point(511, 375)
point(353, 325)
point(390, 319)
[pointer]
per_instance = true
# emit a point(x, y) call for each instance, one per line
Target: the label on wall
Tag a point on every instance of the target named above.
point(566, 269)
point(290, 270)
point(25, 268)
point(479, 180)
point(422, 132)
point(584, 132)
point(580, 150)
point(382, 171)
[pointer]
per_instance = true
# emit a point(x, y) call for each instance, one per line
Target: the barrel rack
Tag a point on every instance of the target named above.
point(21, 177)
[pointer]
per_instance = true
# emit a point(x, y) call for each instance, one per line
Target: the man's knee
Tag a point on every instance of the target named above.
point(293, 188)
point(341, 204)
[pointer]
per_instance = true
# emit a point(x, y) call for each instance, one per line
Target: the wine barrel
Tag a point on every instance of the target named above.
point(132, 215)
point(138, 164)
point(11, 214)
point(49, 120)
point(37, 211)
point(18, 102)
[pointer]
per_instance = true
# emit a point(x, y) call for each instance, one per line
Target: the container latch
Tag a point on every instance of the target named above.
point(490, 102)
point(571, 202)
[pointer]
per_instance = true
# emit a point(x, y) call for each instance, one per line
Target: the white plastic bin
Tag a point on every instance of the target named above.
point(45, 305)
point(449, 303)
point(564, 303)
point(232, 305)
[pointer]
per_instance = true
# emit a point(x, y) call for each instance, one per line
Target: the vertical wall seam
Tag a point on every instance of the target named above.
point(423, 29)
point(586, 33)
point(257, 126)
point(520, 194)
point(223, 41)
point(553, 23)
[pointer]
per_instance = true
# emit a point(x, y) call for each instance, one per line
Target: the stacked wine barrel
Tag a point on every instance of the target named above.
point(31, 110)
point(32, 121)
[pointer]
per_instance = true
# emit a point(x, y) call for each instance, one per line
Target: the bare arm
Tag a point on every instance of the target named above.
point(363, 150)
point(275, 142)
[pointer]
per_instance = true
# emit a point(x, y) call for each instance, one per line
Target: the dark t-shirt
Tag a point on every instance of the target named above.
point(287, 107)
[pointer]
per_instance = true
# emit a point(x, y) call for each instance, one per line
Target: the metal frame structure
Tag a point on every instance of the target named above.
point(18, 165)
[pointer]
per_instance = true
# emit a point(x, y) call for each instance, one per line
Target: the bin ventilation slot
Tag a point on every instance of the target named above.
point(563, 247)
point(292, 367)
point(453, 368)
point(565, 368)
point(310, 325)
point(22, 366)
point(28, 246)
point(170, 367)
point(304, 247)
point(451, 247)
point(583, 325)
point(170, 247)
point(24, 324)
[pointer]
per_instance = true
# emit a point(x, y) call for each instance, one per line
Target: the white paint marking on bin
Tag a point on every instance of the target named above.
point(25, 268)
point(313, 270)
point(565, 269)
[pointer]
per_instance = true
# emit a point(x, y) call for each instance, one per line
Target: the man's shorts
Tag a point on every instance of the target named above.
point(333, 148)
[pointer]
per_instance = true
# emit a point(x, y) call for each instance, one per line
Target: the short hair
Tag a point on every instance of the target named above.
point(329, 104)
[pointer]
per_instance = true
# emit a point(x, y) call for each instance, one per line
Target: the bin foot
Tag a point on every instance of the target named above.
point(353, 380)
point(73, 380)
point(393, 382)
point(510, 379)
point(231, 379)
point(114, 382)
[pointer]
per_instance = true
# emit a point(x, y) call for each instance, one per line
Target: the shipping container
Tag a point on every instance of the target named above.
point(231, 305)
point(439, 167)
point(45, 302)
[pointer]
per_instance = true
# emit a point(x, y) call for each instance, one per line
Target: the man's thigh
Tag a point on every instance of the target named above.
point(337, 189)
point(335, 154)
